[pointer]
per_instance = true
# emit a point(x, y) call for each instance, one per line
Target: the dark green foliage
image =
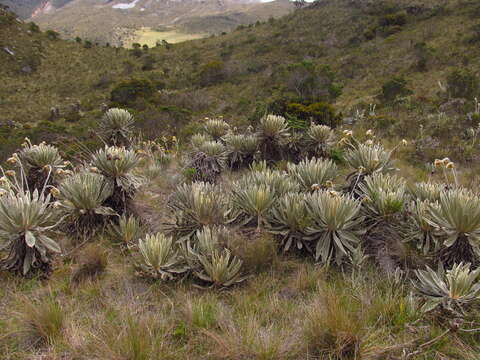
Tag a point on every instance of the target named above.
point(462, 83)
point(212, 73)
point(422, 55)
point(78, 39)
point(311, 82)
point(319, 113)
point(52, 35)
point(370, 33)
point(394, 88)
point(396, 19)
point(87, 44)
point(128, 91)
point(148, 63)
point(475, 38)
point(33, 27)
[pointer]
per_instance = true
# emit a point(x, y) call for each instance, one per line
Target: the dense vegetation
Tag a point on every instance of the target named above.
point(323, 216)
point(242, 244)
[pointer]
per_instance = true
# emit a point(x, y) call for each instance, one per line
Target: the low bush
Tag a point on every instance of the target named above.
point(128, 91)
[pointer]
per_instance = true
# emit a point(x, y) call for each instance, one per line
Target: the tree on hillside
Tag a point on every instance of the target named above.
point(311, 82)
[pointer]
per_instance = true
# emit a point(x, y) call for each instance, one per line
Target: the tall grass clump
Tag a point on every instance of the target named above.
point(41, 321)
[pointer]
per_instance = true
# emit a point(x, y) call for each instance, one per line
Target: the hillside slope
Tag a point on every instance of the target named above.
point(26, 8)
point(253, 69)
point(108, 21)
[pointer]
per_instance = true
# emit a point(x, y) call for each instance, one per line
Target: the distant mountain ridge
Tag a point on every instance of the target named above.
point(114, 20)
point(31, 8)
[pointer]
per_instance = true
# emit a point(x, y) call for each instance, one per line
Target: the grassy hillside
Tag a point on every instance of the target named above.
point(102, 23)
point(24, 8)
point(269, 237)
point(348, 50)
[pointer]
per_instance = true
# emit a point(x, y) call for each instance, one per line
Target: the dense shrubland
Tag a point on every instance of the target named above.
point(254, 236)
point(238, 203)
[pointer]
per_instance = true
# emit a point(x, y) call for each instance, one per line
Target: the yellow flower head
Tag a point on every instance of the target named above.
point(369, 132)
point(437, 163)
point(12, 160)
point(315, 187)
point(446, 161)
point(369, 142)
point(404, 142)
point(450, 165)
point(54, 191)
point(10, 173)
point(334, 193)
point(94, 169)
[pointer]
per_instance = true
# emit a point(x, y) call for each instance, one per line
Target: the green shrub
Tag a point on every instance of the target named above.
point(33, 27)
point(462, 83)
point(212, 73)
point(52, 35)
point(310, 82)
point(148, 63)
point(128, 91)
point(395, 88)
point(319, 113)
point(396, 19)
